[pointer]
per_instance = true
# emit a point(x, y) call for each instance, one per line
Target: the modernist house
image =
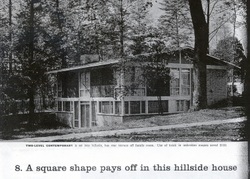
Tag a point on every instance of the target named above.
point(96, 94)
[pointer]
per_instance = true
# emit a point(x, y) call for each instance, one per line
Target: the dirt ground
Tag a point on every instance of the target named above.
point(225, 132)
point(212, 133)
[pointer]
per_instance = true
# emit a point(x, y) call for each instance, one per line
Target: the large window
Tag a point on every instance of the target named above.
point(180, 82)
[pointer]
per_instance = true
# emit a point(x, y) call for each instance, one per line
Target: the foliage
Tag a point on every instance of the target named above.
point(155, 72)
point(230, 49)
point(177, 19)
point(140, 29)
point(58, 32)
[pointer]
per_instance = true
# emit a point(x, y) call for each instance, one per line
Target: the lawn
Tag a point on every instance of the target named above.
point(212, 133)
point(202, 133)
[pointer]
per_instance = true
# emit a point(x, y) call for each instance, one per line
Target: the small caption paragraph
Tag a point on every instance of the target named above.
point(122, 145)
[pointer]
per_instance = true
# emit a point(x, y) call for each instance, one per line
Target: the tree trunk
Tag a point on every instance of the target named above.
point(10, 36)
point(208, 22)
point(31, 90)
point(247, 78)
point(121, 29)
point(200, 54)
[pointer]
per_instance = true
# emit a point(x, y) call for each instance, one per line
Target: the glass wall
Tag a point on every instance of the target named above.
point(180, 82)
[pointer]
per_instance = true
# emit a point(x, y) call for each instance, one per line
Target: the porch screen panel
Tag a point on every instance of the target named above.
point(84, 84)
point(185, 81)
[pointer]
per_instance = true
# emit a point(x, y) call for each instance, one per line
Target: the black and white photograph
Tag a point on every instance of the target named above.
point(139, 75)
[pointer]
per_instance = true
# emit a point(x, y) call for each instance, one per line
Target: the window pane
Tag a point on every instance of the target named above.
point(94, 110)
point(66, 106)
point(175, 82)
point(76, 123)
point(185, 91)
point(153, 107)
point(182, 105)
point(126, 107)
point(143, 107)
point(59, 105)
point(175, 77)
point(185, 74)
point(106, 107)
point(76, 105)
point(118, 107)
point(100, 107)
point(185, 82)
point(87, 116)
point(111, 107)
point(83, 80)
point(164, 105)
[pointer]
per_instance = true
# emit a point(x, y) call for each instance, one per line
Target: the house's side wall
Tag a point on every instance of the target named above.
point(216, 85)
point(65, 118)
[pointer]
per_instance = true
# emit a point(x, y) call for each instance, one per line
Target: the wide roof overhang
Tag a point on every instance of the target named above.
point(85, 66)
point(211, 58)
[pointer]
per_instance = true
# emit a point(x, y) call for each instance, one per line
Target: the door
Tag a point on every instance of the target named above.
point(85, 117)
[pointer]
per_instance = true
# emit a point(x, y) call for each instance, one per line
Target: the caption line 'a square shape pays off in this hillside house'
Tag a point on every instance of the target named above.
point(90, 94)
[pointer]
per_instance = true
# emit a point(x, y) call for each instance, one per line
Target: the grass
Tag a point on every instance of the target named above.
point(212, 133)
point(193, 133)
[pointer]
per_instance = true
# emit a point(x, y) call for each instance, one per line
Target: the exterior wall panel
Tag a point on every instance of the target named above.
point(216, 85)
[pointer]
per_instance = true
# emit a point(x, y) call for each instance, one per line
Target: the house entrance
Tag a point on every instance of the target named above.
point(85, 117)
